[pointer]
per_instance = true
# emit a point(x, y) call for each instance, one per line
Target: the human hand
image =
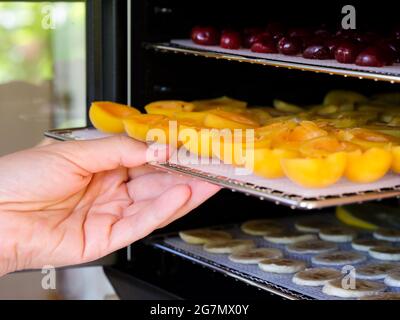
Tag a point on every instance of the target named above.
point(73, 202)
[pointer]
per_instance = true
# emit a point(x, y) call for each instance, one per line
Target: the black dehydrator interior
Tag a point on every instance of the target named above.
point(157, 76)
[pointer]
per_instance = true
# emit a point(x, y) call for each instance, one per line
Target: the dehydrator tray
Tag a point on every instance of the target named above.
point(279, 284)
point(280, 191)
point(186, 46)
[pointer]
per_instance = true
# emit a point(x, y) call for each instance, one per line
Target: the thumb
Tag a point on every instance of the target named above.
point(109, 153)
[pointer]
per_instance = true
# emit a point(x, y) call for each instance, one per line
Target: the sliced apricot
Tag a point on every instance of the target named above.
point(266, 162)
point(195, 119)
point(366, 138)
point(340, 97)
point(169, 107)
point(221, 119)
point(260, 115)
point(396, 159)
point(315, 172)
point(368, 166)
point(139, 126)
point(222, 102)
point(107, 116)
point(306, 130)
point(324, 146)
point(197, 140)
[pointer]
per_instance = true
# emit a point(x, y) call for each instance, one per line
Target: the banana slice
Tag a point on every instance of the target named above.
point(311, 225)
point(338, 258)
point(253, 256)
point(202, 236)
point(385, 253)
point(311, 247)
point(362, 288)
point(228, 246)
point(383, 296)
point(316, 276)
point(375, 271)
point(261, 227)
point(287, 237)
point(387, 234)
point(337, 234)
point(281, 265)
point(366, 244)
point(393, 278)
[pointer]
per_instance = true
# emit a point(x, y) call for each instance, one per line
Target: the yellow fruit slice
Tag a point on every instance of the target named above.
point(107, 116)
point(286, 107)
point(169, 107)
point(197, 140)
point(344, 215)
point(260, 115)
point(389, 131)
point(222, 102)
point(368, 166)
point(366, 138)
point(324, 146)
point(266, 162)
point(139, 126)
point(221, 119)
point(306, 130)
point(396, 159)
point(315, 172)
point(340, 97)
point(195, 119)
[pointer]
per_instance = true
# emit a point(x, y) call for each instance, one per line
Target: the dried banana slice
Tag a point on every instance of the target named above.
point(338, 258)
point(202, 236)
point(311, 247)
point(311, 225)
point(281, 265)
point(261, 227)
point(383, 296)
point(255, 255)
point(375, 271)
point(337, 234)
point(316, 276)
point(287, 237)
point(387, 234)
point(362, 288)
point(366, 244)
point(228, 246)
point(393, 278)
point(385, 253)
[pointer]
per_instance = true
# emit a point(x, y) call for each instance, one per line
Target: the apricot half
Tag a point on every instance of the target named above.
point(221, 119)
point(222, 102)
point(368, 166)
point(266, 162)
point(315, 172)
point(324, 146)
point(169, 107)
point(396, 159)
point(139, 126)
point(107, 116)
point(366, 138)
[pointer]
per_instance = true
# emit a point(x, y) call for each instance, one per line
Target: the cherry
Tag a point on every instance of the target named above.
point(332, 44)
point(373, 57)
point(249, 40)
point(264, 46)
point(347, 52)
point(317, 52)
point(290, 46)
point(207, 36)
point(300, 33)
point(231, 40)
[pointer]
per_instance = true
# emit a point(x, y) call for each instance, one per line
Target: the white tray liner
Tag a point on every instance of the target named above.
point(282, 280)
point(392, 70)
point(283, 185)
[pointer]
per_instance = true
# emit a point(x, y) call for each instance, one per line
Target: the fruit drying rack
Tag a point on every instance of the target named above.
point(279, 191)
point(278, 284)
point(187, 47)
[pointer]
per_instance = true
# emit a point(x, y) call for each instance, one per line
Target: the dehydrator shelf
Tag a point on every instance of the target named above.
point(280, 192)
point(391, 74)
point(272, 288)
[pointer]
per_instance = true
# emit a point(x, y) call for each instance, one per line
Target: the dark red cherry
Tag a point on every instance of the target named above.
point(391, 47)
point(366, 38)
point(346, 34)
point(373, 57)
point(300, 33)
point(207, 36)
point(231, 40)
point(290, 46)
point(248, 40)
point(265, 46)
point(347, 52)
point(332, 44)
point(319, 52)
